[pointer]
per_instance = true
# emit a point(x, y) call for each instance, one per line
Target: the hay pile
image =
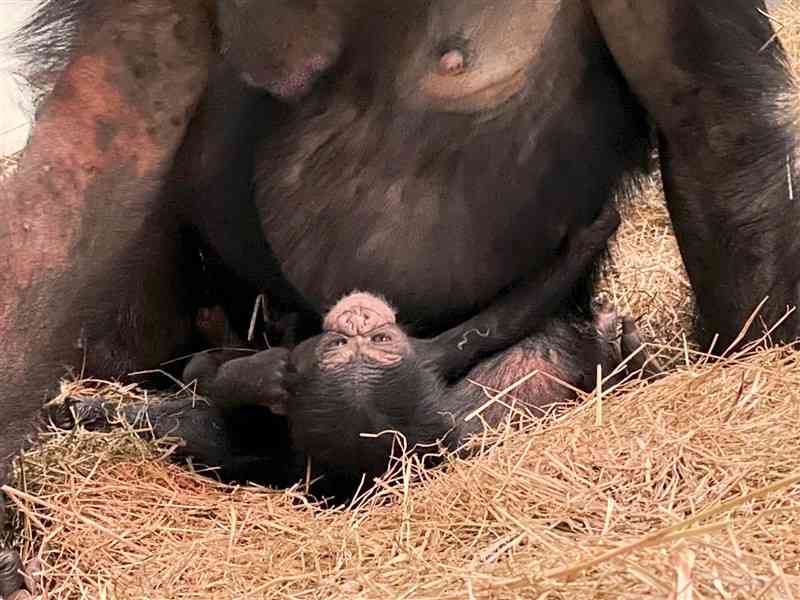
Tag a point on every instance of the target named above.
point(645, 277)
point(689, 484)
point(685, 488)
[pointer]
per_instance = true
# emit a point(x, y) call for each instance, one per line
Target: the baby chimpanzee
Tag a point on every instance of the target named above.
point(270, 411)
point(363, 374)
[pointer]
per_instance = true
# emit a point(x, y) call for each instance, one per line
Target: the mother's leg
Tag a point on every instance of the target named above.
point(79, 223)
point(727, 119)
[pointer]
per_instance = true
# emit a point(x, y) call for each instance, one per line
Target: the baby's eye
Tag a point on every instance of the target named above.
point(337, 342)
point(381, 338)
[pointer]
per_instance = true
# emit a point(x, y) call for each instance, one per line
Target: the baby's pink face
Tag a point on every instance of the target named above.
point(364, 326)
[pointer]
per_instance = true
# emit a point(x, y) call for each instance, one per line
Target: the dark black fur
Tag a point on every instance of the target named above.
point(362, 184)
point(329, 410)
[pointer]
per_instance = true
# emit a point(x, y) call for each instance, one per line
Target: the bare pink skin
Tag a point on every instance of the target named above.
point(292, 84)
point(452, 62)
point(283, 46)
point(359, 313)
point(362, 325)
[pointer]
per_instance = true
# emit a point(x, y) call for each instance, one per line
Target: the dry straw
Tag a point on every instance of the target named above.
point(684, 488)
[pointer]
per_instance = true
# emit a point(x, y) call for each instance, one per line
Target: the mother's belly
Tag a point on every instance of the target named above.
point(434, 281)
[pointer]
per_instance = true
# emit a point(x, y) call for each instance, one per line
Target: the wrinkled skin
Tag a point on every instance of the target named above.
point(374, 378)
point(440, 154)
point(363, 374)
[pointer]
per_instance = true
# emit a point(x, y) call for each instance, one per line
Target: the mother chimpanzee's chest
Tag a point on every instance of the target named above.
point(439, 213)
point(435, 258)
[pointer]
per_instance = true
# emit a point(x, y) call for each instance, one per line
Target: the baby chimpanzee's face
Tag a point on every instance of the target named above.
point(361, 328)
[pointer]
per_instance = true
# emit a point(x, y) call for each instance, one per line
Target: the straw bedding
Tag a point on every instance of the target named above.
point(686, 487)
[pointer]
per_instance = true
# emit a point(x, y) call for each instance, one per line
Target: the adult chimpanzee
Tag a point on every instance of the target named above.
point(439, 153)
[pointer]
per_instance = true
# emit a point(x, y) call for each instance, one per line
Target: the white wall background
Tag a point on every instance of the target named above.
point(14, 109)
